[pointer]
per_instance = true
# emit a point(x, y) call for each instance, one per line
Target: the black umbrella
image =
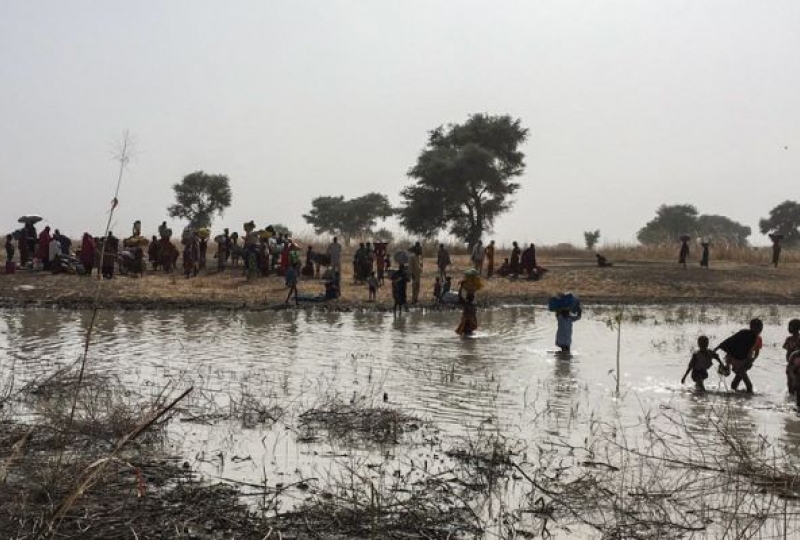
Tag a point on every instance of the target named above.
point(30, 218)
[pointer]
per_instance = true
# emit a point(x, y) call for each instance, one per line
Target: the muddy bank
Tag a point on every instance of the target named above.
point(631, 283)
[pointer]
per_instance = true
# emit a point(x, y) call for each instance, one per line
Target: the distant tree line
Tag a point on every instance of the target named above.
point(462, 181)
point(673, 221)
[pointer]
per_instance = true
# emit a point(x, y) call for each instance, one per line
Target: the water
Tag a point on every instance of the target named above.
point(507, 377)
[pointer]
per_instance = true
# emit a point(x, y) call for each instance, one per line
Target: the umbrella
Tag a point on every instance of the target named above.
point(401, 257)
point(30, 218)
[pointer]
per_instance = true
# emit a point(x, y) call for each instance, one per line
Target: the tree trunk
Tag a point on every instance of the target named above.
point(476, 225)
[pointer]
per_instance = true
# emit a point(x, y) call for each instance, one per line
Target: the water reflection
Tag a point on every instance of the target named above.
point(417, 358)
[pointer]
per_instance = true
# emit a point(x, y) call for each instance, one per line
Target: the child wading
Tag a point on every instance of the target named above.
point(372, 283)
point(741, 350)
point(792, 347)
point(701, 362)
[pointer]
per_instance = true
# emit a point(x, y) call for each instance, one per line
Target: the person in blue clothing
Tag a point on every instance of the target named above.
point(565, 319)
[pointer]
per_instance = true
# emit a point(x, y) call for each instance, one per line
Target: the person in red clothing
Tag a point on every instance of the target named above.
point(88, 253)
point(43, 248)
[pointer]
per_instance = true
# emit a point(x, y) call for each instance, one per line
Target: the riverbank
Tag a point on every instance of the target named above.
point(635, 282)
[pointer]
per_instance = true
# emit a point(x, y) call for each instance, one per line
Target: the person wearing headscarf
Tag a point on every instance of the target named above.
point(43, 251)
point(88, 253)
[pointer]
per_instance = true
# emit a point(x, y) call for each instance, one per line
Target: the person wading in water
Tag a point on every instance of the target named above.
point(741, 350)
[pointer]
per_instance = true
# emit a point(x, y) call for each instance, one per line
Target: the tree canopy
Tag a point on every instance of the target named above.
point(673, 221)
point(783, 219)
point(199, 196)
point(670, 223)
point(590, 238)
point(463, 178)
point(348, 218)
point(723, 228)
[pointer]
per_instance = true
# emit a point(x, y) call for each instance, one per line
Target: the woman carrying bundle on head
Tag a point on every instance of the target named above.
point(567, 308)
point(466, 298)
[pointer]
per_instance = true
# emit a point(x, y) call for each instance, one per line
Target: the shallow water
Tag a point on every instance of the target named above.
point(507, 376)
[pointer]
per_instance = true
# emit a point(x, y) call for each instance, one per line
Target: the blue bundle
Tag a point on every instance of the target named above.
point(564, 301)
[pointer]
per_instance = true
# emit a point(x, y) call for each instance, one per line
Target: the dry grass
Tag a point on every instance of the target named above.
point(640, 275)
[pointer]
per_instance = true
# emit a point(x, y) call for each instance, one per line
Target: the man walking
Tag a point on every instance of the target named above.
point(335, 253)
point(442, 261)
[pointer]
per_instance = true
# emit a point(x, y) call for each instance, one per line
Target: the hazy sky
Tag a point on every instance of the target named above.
point(629, 104)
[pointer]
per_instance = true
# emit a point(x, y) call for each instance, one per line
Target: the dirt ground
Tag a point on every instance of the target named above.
point(634, 281)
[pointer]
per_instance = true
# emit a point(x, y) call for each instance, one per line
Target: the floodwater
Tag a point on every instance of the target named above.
point(507, 377)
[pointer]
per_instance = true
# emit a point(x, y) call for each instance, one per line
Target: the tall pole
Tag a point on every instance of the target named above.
point(619, 343)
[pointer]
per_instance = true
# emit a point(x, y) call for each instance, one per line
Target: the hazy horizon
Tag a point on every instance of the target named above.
point(630, 105)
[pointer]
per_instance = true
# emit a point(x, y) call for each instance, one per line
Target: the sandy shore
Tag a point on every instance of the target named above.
point(638, 282)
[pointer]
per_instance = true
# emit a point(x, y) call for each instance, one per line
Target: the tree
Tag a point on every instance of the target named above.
point(280, 228)
point(783, 219)
point(463, 178)
point(384, 235)
point(591, 238)
point(199, 196)
point(669, 224)
point(722, 228)
point(348, 218)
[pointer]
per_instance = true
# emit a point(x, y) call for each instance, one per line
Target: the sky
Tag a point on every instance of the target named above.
point(630, 105)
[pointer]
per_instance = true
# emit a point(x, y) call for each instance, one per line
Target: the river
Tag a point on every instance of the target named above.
point(507, 376)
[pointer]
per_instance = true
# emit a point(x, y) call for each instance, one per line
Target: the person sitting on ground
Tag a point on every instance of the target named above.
point(602, 262)
point(447, 286)
point(700, 363)
point(741, 350)
point(372, 284)
point(505, 269)
point(332, 286)
point(792, 348)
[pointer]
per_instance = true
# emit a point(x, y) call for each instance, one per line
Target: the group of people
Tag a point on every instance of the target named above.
point(55, 252)
point(705, 253)
point(741, 351)
point(521, 263)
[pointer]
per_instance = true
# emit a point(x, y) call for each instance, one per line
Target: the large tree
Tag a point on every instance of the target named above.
point(348, 218)
point(783, 219)
point(463, 179)
point(673, 221)
point(670, 223)
point(722, 228)
point(199, 196)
